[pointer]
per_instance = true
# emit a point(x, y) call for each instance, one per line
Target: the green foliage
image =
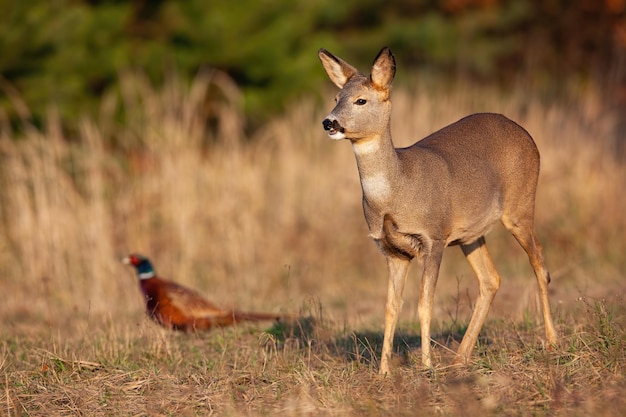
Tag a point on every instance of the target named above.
point(68, 53)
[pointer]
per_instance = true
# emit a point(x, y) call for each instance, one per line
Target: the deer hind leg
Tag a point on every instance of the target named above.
point(524, 234)
point(488, 284)
point(398, 269)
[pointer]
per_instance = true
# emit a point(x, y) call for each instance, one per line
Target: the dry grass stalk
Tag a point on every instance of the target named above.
point(274, 222)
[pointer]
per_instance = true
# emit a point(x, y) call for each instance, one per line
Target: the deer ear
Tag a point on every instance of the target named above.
point(383, 69)
point(338, 70)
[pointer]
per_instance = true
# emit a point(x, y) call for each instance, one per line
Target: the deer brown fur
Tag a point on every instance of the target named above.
point(449, 188)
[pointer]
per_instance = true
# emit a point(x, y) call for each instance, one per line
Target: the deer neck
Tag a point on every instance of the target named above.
point(377, 162)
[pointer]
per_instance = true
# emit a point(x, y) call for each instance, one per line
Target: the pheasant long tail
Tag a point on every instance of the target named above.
point(232, 317)
point(240, 316)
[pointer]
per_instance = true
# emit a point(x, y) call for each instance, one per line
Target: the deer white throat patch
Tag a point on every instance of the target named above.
point(364, 148)
point(376, 187)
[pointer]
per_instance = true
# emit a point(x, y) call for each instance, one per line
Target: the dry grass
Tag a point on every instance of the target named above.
point(274, 222)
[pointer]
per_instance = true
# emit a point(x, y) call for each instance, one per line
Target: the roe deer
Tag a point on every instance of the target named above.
point(446, 189)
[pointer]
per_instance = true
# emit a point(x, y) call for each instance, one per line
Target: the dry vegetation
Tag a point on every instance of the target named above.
point(274, 223)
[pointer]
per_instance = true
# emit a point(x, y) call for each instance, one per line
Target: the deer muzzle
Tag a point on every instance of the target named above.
point(334, 129)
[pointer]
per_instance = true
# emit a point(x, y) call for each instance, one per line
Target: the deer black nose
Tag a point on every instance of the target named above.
point(328, 124)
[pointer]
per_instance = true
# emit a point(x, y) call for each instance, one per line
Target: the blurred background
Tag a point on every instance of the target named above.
point(190, 131)
point(69, 54)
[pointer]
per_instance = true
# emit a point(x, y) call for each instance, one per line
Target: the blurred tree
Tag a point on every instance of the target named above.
point(67, 53)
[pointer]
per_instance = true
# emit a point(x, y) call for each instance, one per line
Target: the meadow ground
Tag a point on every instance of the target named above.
point(274, 223)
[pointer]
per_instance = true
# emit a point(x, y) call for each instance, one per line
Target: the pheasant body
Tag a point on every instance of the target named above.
point(179, 308)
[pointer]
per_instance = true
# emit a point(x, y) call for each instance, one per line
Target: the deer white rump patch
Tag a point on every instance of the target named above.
point(376, 186)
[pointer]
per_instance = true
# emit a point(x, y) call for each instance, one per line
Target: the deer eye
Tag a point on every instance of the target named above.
point(360, 102)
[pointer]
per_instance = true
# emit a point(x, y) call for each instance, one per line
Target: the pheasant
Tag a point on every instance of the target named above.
point(176, 307)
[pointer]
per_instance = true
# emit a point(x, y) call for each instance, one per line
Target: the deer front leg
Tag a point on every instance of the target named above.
point(432, 262)
point(398, 269)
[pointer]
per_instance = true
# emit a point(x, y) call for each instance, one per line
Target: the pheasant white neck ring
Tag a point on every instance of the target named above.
point(146, 275)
